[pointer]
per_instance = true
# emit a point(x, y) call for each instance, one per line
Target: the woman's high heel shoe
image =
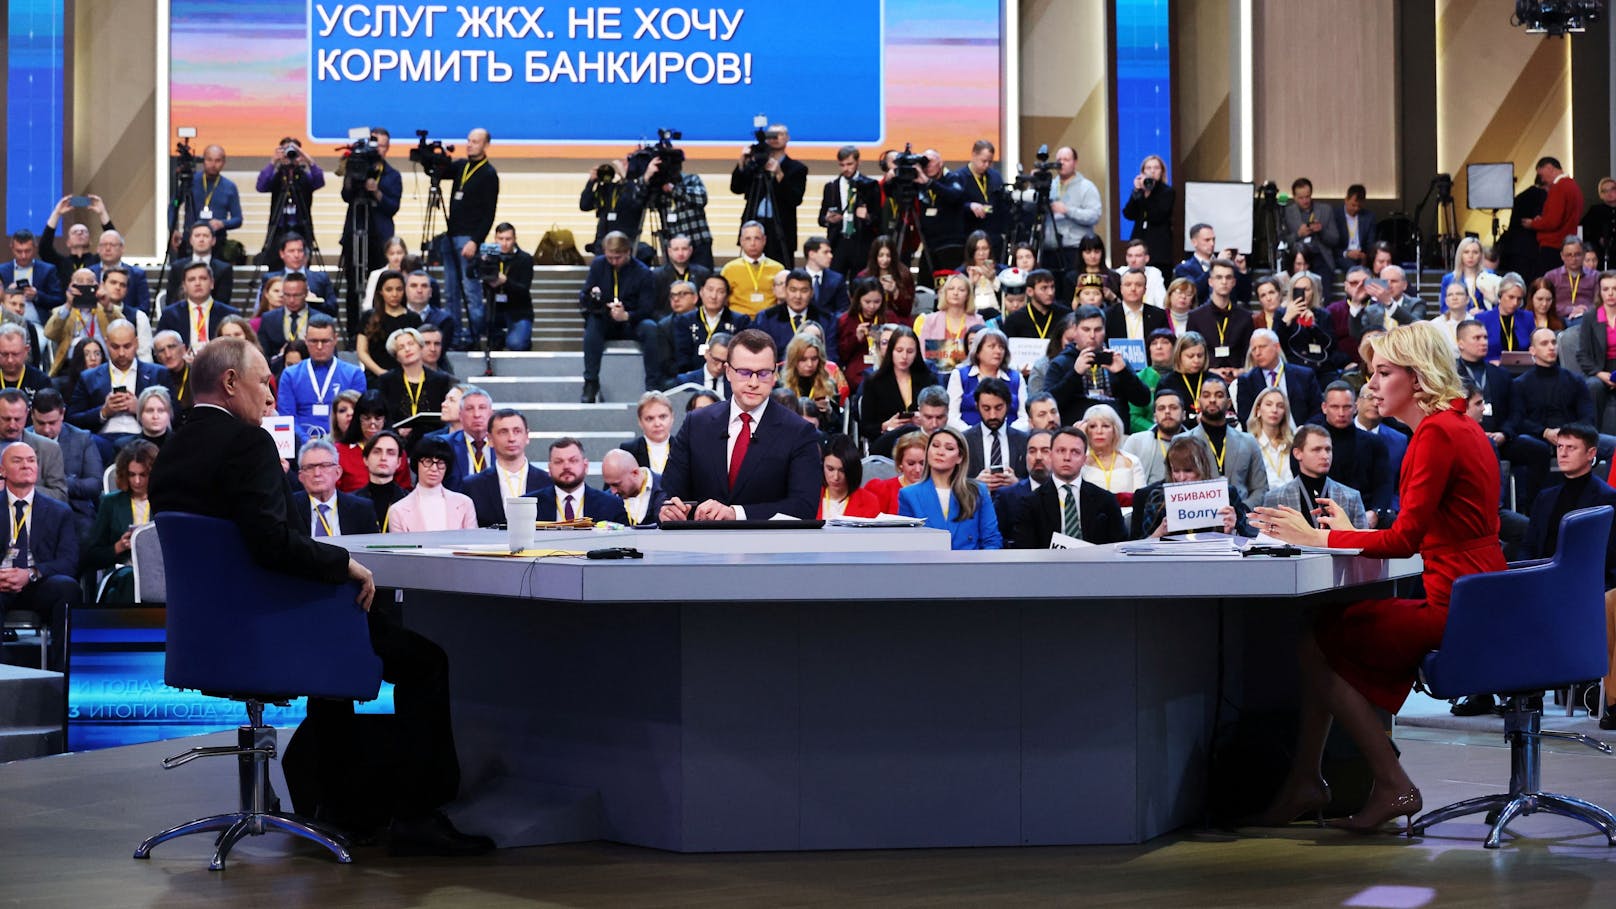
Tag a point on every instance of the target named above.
point(1373, 816)
point(1290, 806)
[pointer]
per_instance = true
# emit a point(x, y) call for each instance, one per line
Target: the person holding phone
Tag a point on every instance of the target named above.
point(1086, 373)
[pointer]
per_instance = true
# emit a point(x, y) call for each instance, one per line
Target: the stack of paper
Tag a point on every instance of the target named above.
point(885, 520)
point(1185, 545)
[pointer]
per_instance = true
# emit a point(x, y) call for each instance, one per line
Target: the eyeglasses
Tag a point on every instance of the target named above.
point(436, 463)
point(310, 468)
point(762, 375)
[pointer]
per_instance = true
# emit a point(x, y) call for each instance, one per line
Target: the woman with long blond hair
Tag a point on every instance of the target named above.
point(952, 500)
point(1272, 425)
point(808, 375)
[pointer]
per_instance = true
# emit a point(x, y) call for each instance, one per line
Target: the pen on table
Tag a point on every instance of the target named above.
point(393, 546)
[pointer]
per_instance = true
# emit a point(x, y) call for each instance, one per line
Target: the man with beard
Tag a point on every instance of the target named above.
point(569, 499)
point(1149, 446)
point(997, 452)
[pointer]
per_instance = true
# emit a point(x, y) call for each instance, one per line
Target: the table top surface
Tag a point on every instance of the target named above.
point(885, 564)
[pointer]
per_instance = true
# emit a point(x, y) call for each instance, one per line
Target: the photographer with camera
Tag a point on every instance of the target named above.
point(942, 216)
point(291, 178)
point(215, 200)
point(617, 204)
point(677, 196)
point(1150, 208)
point(373, 186)
point(475, 196)
point(983, 187)
point(79, 252)
point(617, 300)
point(507, 272)
point(1074, 209)
point(773, 184)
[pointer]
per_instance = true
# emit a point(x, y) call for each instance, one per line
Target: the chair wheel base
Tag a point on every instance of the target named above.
point(1504, 808)
point(234, 827)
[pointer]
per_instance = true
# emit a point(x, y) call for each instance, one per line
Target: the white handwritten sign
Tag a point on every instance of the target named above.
point(1196, 504)
point(281, 430)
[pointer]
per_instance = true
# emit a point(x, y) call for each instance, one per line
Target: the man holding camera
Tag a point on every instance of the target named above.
point(942, 215)
point(215, 198)
point(376, 190)
point(682, 205)
point(79, 252)
point(290, 178)
point(90, 309)
point(507, 285)
point(1086, 373)
point(474, 196)
point(617, 204)
point(773, 184)
point(617, 300)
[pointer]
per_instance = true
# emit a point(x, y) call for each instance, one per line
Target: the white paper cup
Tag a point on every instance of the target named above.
point(520, 516)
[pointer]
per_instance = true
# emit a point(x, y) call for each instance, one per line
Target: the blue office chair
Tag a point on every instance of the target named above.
point(1539, 625)
point(238, 631)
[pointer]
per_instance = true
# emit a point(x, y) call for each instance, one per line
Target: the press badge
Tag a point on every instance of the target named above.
point(1314, 349)
point(1220, 352)
point(500, 298)
point(206, 214)
point(757, 298)
point(320, 410)
point(1487, 409)
point(701, 351)
point(459, 194)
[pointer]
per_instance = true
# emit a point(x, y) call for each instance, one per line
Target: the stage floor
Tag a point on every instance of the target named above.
point(69, 823)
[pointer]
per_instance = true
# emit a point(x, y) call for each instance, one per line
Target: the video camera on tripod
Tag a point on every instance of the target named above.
point(1030, 188)
point(903, 176)
point(359, 158)
point(185, 158)
point(670, 161)
point(435, 159)
point(758, 155)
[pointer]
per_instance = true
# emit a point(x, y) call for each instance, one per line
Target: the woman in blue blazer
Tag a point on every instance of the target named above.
point(952, 501)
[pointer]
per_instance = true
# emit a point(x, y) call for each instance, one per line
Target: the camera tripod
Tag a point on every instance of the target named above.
point(760, 192)
point(357, 256)
point(906, 201)
point(182, 211)
point(1447, 225)
point(285, 196)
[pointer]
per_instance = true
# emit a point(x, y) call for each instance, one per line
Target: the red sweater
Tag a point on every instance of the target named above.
point(1562, 212)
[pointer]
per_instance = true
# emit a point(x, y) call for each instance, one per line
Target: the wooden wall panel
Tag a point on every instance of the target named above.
point(1064, 75)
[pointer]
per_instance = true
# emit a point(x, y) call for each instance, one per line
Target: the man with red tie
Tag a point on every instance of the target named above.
point(744, 458)
point(195, 318)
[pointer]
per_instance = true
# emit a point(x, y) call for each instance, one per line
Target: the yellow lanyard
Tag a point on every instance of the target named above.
point(950, 332)
point(1509, 331)
point(1276, 461)
point(1032, 316)
point(1163, 446)
point(1218, 450)
point(415, 395)
point(1575, 279)
point(1195, 405)
point(326, 525)
point(710, 326)
point(207, 199)
point(468, 170)
point(478, 461)
point(140, 510)
point(982, 183)
point(637, 519)
point(17, 525)
point(3, 384)
point(756, 273)
point(1105, 469)
point(1222, 327)
point(515, 483)
point(615, 295)
point(288, 320)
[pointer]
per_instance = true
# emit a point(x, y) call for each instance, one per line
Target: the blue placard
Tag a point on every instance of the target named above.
point(588, 74)
point(1132, 350)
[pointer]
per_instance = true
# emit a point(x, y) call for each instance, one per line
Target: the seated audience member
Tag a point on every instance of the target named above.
point(1271, 426)
point(979, 268)
point(467, 435)
point(395, 253)
point(431, 505)
point(889, 270)
point(650, 447)
point(432, 349)
point(569, 499)
point(1369, 420)
point(1220, 318)
point(1136, 255)
point(238, 327)
point(695, 330)
point(1041, 312)
point(155, 409)
point(1189, 459)
point(710, 374)
point(1105, 464)
point(1320, 499)
point(420, 294)
point(171, 354)
point(677, 269)
point(681, 301)
point(639, 487)
point(50, 475)
point(42, 575)
point(292, 354)
point(384, 458)
point(784, 320)
point(843, 495)
point(931, 412)
point(1149, 447)
point(1400, 307)
point(989, 358)
point(1304, 329)
point(1188, 374)
point(1234, 453)
point(1011, 501)
point(279, 327)
point(717, 470)
point(1528, 455)
point(944, 334)
point(1132, 317)
point(107, 542)
point(1549, 396)
point(1180, 302)
point(342, 416)
point(888, 397)
point(909, 457)
point(1574, 286)
point(320, 507)
point(196, 315)
point(386, 315)
point(307, 390)
point(1086, 374)
point(369, 418)
point(411, 388)
point(511, 475)
point(1596, 356)
point(1159, 353)
point(995, 453)
point(1510, 326)
point(202, 241)
point(82, 316)
point(751, 274)
point(82, 464)
point(808, 374)
point(1576, 448)
point(952, 501)
point(294, 255)
point(14, 311)
point(1358, 459)
point(15, 371)
point(857, 330)
point(1042, 413)
point(1456, 313)
point(1540, 303)
point(1036, 374)
point(1270, 303)
point(1069, 503)
point(618, 301)
point(1268, 369)
point(40, 281)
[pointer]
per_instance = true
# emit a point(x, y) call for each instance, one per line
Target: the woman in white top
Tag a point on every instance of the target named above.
point(656, 425)
point(1271, 424)
point(1456, 305)
point(1107, 465)
point(989, 356)
point(394, 254)
point(430, 506)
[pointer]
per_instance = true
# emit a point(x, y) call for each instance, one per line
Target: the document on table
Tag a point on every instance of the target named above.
point(882, 520)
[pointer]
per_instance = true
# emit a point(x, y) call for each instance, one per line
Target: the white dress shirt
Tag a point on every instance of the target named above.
point(330, 517)
point(734, 432)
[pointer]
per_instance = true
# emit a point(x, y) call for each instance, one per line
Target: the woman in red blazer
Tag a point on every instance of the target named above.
point(1366, 654)
point(909, 454)
point(843, 473)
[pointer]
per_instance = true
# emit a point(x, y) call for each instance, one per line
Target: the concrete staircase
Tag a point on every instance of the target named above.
point(32, 705)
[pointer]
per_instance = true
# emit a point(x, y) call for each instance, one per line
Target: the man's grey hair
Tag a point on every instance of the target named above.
point(318, 445)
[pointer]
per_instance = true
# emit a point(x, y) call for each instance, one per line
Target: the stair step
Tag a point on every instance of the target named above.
point(22, 743)
point(30, 696)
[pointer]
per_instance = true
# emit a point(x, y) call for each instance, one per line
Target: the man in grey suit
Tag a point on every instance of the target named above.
point(1235, 453)
point(14, 428)
point(81, 458)
point(1149, 446)
point(1312, 449)
point(1311, 224)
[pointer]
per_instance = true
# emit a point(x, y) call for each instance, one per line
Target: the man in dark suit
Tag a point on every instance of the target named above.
point(981, 187)
point(1354, 229)
point(15, 370)
point(996, 451)
point(104, 399)
point(44, 291)
point(275, 329)
point(380, 189)
point(1527, 455)
point(1068, 504)
point(109, 249)
point(1131, 317)
point(472, 446)
point(1269, 370)
point(81, 457)
point(1204, 246)
point(844, 212)
point(319, 506)
point(829, 287)
point(196, 306)
point(220, 463)
point(617, 298)
point(746, 457)
point(773, 188)
point(639, 488)
point(1359, 459)
point(569, 499)
point(1227, 327)
point(694, 330)
point(677, 268)
point(511, 474)
point(41, 561)
point(1077, 380)
point(1011, 501)
point(202, 240)
point(782, 321)
point(711, 375)
point(294, 252)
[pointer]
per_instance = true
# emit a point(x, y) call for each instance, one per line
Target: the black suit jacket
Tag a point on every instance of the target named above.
point(354, 514)
point(1499, 383)
point(1101, 515)
point(1596, 493)
point(1301, 390)
point(1008, 504)
point(176, 318)
point(597, 505)
point(489, 498)
point(435, 386)
point(781, 473)
point(53, 537)
point(788, 193)
point(977, 455)
point(224, 279)
point(1236, 335)
point(221, 467)
point(1116, 320)
point(663, 277)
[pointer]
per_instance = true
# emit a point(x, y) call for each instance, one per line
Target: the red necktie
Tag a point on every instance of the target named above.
point(742, 441)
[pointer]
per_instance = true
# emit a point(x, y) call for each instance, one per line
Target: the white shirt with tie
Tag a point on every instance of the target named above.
point(333, 525)
point(733, 432)
point(576, 496)
point(987, 446)
point(27, 518)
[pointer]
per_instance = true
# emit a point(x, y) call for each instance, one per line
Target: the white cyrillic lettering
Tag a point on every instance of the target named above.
point(325, 69)
point(445, 65)
point(497, 71)
point(475, 20)
point(683, 28)
point(382, 12)
point(563, 68)
point(710, 26)
point(730, 25)
point(729, 69)
point(643, 66)
point(531, 27)
point(348, 16)
point(349, 57)
point(609, 19)
point(587, 22)
point(385, 59)
point(413, 68)
point(537, 69)
point(328, 22)
point(669, 63)
point(431, 13)
point(647, 23)
point(705, 62)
